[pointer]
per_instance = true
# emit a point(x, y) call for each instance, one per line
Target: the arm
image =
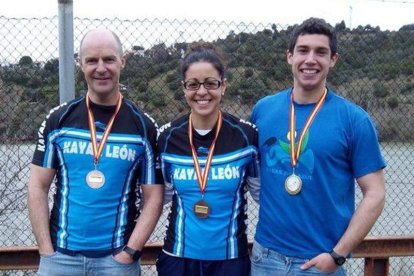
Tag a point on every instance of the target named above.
point(38, 204)
point(153, 198)
point(368, 211)
point(253, 184)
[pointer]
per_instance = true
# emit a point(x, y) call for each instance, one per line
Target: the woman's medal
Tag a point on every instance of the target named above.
point(95, 178)
point(201, 208)
point(293, 183)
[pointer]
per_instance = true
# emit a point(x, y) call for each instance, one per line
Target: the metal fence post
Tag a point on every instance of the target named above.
point(66, 52)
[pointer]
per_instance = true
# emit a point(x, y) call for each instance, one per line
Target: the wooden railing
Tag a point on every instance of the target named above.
point(375, 250)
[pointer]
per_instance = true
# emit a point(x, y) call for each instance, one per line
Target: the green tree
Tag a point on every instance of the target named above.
point(25, 61)
point(392, 102)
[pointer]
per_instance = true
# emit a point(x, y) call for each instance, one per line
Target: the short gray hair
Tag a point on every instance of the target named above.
point(116, 37)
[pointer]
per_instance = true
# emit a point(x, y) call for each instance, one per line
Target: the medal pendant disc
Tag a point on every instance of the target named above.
point(293, 184)
point(201, 209)
point(95, 179)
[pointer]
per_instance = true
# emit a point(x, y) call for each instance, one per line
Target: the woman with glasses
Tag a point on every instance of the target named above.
point(208, 159)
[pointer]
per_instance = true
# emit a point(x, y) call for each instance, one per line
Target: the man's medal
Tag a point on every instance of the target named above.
point(201, 208)
point(95, 178)
point(293, 183)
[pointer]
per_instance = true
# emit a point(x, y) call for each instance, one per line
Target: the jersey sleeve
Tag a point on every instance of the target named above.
point(366, 155)
point(45, 152)
point(148, 172)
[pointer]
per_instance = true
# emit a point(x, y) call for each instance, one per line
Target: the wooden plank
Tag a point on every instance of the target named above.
point(20, 258)
point(385, 246)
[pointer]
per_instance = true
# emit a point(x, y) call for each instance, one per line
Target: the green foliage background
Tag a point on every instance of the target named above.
point(375, 71)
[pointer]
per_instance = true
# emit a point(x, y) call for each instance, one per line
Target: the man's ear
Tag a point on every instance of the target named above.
point(289, 56)
point(334, 59)
point(123, 61)
point(79, 63)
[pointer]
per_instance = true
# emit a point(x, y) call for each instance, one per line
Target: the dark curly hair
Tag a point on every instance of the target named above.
point(203, 51)
point(314, 26)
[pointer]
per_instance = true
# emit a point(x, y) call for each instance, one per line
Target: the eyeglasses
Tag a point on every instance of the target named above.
point(209, 84)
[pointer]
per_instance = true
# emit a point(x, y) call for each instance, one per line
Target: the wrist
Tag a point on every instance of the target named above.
point(45, 250)
point(337, 258)
point(134, 253)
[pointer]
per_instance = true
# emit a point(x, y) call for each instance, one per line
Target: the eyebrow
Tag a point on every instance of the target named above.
point(319, 48)
point(104, 57)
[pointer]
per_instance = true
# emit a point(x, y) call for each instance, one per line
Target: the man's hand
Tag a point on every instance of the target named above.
point(123, 258)
point(323, 262)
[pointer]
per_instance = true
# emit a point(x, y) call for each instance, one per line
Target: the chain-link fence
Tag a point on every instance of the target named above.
point(375, 70)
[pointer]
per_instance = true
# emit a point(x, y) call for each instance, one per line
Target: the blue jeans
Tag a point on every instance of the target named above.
point(59, 264)
point(266, 262)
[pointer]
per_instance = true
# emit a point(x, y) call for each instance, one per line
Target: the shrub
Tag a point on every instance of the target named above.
point(392, 102)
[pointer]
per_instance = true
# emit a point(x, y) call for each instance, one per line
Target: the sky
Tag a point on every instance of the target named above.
point(387, 14)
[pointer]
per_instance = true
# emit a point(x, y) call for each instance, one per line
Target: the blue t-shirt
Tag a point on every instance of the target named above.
point(87, 220)
point(340, 145)
point(222, 235)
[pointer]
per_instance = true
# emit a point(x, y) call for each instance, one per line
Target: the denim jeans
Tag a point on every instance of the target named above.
point(59, 264)
point(266, 262)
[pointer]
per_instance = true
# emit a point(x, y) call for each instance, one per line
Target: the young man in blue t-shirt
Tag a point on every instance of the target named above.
point(314, 144)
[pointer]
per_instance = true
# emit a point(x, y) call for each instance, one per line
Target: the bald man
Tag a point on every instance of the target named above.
point(99, 151)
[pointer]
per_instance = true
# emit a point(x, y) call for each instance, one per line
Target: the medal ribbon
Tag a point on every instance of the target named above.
point(97, 149)
point(202, 179)
point(294, 154)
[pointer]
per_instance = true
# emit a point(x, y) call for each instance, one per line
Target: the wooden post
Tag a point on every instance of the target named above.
point(376, 267)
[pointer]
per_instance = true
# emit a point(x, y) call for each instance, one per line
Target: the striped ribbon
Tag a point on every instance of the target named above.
point(97, 149)
point(202, 179)
point(294, 154)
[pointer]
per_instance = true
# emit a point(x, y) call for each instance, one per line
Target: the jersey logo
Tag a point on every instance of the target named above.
point(99, 125)
point(202, 151)
point(164, 127)
point(40, 132)
point(277, 151)
point(248, 123)
point(216, 173)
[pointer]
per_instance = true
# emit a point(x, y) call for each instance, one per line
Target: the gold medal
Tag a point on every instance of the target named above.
point(95, 179)
point(293, 184)
point(201, 209)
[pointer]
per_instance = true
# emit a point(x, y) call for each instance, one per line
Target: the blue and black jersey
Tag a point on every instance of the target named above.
point(222, 235)
point(83, 219)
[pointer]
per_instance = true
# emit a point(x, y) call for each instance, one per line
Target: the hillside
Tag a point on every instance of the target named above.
point(375, 70)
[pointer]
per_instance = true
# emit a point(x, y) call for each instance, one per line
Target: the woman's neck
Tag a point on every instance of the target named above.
point(204, 122)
